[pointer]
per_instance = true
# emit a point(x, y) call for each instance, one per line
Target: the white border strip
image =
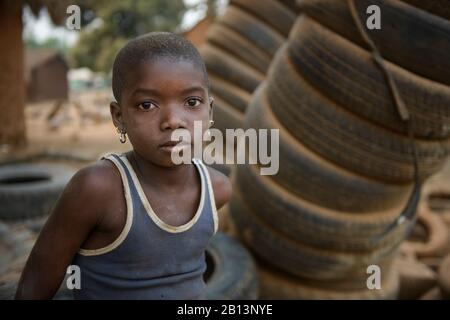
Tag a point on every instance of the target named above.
point(149, 209)
point(212, 199)
point(128, 223)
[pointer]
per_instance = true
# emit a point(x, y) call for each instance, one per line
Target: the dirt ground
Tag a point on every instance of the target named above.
point(82, 127)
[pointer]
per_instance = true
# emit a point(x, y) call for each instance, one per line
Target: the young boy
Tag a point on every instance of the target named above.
point(136, 224)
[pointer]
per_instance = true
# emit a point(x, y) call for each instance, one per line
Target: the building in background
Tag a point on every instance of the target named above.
point(45, 75)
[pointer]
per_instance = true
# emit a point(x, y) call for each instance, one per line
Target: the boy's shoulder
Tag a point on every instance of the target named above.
point(221, 186)
point(100, 177)
point(89, 194)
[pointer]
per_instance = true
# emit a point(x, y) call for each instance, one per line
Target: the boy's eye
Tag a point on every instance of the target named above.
point(147, 105)
point(193, 102)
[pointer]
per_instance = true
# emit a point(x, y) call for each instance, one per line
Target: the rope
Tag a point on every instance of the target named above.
point(408, 213)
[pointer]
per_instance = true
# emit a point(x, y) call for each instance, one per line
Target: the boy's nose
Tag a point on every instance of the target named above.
point(172, 119)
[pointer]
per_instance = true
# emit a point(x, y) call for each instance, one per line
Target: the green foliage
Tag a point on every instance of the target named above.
point(109, 24)
point(49, 43)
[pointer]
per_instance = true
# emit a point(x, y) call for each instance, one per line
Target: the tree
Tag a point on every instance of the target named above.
point(50, 43)
point(212, 8)
point(117, 21)
point(12, 83)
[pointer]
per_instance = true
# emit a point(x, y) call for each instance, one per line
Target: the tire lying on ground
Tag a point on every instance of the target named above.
point(30, 190)
point(276, 285)
point(411, 38)
point(347, 75)
point(231, 272)
point(316, 179)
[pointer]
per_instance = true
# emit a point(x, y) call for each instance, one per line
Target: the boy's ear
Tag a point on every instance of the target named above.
point(116, 114)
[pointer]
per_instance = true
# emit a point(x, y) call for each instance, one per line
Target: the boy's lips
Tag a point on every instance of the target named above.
point(172, 145)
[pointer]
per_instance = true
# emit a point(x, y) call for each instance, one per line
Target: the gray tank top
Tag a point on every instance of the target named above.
point(150, 259)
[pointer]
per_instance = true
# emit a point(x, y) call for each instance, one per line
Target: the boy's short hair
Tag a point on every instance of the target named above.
point(149, 47)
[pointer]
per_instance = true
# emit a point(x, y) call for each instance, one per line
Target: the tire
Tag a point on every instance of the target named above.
point(444, 278)
point(234, 273)
point(409, 37)
point(313, 225)
point(227, 67)
point(227, 223)
point(437, 238)
point(346, 74)
point(255, 30)
point(291, 4)
point(31, 190)
point(230, 93)
point(222, 167)
point(356, 282)
point(276, 285)
point(437, 196)
point(235, 44)
point(437, 7)
point(294, 257)
point(225, 116)
point(433, 294)
point(273, 12)
point(316, 179)
point(415, 278)
point(344, 138)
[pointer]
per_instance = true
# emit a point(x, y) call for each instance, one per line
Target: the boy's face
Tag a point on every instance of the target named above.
point(159, 97)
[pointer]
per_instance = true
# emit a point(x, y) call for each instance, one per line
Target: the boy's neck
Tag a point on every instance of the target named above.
point(162, 178)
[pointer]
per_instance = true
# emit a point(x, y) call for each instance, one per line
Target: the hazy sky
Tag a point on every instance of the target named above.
point(42, 27)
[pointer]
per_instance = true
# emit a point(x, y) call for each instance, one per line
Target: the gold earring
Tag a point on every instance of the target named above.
point(211, 122)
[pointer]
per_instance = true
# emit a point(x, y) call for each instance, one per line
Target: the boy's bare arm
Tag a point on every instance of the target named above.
point(79, 209)
point(222, 187)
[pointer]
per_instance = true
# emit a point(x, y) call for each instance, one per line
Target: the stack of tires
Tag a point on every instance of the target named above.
point(238, 51)
point(346, 170)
